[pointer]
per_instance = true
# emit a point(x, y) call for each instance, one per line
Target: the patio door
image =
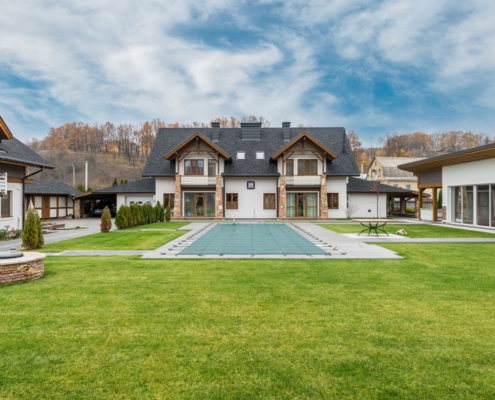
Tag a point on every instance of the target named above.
point(302, 205)
point(199, 205)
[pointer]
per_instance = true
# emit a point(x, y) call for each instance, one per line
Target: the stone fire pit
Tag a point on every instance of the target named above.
point(21, 267)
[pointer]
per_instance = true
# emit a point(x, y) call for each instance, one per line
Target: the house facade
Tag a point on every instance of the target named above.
point(385, 170)
point(467, 180)
point(18, 164)
point(252, 172)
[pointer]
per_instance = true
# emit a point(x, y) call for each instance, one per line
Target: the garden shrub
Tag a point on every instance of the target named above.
point(168, 214)
point(121, 218)
point(32, 236)
point(106, 220)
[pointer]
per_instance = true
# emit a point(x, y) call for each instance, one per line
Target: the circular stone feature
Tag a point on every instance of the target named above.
point(27, 267)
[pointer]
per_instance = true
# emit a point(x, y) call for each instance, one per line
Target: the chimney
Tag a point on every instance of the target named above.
point(251, 131)
point(286, 131)
point(344, 141)
point(215, 131)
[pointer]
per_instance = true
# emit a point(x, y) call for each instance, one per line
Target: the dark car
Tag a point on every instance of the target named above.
point(97, 210)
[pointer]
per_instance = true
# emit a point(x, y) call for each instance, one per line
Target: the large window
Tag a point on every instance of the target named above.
point(269, 201)
point(232, 202)
point(290, 167)
point(302, 205)
point(473, 204)
point(211, 167)
point(483, 209)
point(194, 167)
point(168, 198)
point(463, 204)
point(333, 200)
point(5, 205)
point(307, 167)
point(199, 204)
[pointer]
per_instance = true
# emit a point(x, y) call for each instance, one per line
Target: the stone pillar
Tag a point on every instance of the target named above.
point(177, 198)
point(403, 205)
point(323, 197)
point(78, 208)
point(282, 198)
point(444, 213)
point(218, 197)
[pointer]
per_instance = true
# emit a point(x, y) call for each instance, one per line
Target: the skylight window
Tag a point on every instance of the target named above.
point(260, 155)
point(241, 155)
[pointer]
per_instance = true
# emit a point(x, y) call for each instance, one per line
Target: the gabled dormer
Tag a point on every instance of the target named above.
point(198, 160)
point(303, 160)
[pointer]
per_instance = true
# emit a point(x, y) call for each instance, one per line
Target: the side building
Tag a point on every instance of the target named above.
point(252, 172)
point(467, 180)
point(18, 165)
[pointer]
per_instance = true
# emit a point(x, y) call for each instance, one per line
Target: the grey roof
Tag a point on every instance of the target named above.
point(142, 186)
point(230, 141)
point(357, 185)
point(390, 166)
point(51, 187)
point(15, 151)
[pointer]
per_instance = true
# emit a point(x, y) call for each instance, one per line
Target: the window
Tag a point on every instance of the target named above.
point(194, 167)
point(211, 167)
point(268, 201)
point(5, 205)
point(333, 200)
point(290, 167)
point(408, 187)
point(307, 167)
point(241, 155)
point(232, 202)
point(168, 198)
point(260, 155)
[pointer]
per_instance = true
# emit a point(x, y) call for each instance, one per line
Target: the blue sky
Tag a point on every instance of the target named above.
point(372, 66)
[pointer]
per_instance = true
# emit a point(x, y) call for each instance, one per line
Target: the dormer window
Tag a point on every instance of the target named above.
point(307, 167)
point(260, 155)
point(241, 155)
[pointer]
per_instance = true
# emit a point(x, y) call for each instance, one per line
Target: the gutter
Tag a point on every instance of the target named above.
point(24, 195)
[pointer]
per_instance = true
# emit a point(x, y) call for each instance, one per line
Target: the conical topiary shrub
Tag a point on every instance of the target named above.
point(32, 235)
point(106, 220)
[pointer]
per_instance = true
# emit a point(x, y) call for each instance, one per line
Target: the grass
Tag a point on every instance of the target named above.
point(122, 327)
point(414, 230)
point(161, 226)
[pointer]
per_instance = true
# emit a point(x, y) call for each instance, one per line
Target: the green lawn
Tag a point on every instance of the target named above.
point(161, 225)
point(122, 327)
point(414, 230)
point(115, 240)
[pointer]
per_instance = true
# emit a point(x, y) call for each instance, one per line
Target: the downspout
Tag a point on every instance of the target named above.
point(24, 196)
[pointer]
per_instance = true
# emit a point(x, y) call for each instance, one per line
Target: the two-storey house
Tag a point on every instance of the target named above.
point(252, 172)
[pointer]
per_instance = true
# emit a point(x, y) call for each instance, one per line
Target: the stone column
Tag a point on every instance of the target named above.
point(282, 198)
point(444, 213)
point(323, 197)
point(177, 198)
point(78, 211)
point(218, 197)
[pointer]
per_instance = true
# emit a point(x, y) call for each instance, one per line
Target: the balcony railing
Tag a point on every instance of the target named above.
point(304, 180)
point(197, 180)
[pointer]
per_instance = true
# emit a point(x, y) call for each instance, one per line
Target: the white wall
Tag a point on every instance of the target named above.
point(250, 200)
point(467, 174)
point(126, 198)
point(337, 184)
point(366, 205)
point(15, 221)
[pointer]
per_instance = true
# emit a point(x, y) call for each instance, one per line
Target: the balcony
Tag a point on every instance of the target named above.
point(197, 180)
point(304, 180)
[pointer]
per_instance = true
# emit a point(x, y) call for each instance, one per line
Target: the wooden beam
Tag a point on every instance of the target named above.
point(435, 200)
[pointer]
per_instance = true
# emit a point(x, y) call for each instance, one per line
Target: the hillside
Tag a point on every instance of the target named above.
point(103, 168)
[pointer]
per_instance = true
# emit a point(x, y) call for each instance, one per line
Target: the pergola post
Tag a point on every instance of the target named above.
point(420, 203)
point(435, 204)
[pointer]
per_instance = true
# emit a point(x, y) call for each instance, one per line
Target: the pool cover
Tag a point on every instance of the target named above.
point(251, 239)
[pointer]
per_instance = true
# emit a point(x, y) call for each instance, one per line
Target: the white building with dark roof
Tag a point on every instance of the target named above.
point(252, 172)
point(18, 165)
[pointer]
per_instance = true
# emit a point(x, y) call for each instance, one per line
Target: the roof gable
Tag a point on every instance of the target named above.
point(5, 133)
point(301, 139)
point(195, 140)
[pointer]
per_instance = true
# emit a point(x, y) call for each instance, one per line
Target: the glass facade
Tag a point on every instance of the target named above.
point(473, 205)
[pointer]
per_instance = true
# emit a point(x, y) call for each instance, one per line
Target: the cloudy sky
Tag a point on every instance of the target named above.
point(373, 66)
